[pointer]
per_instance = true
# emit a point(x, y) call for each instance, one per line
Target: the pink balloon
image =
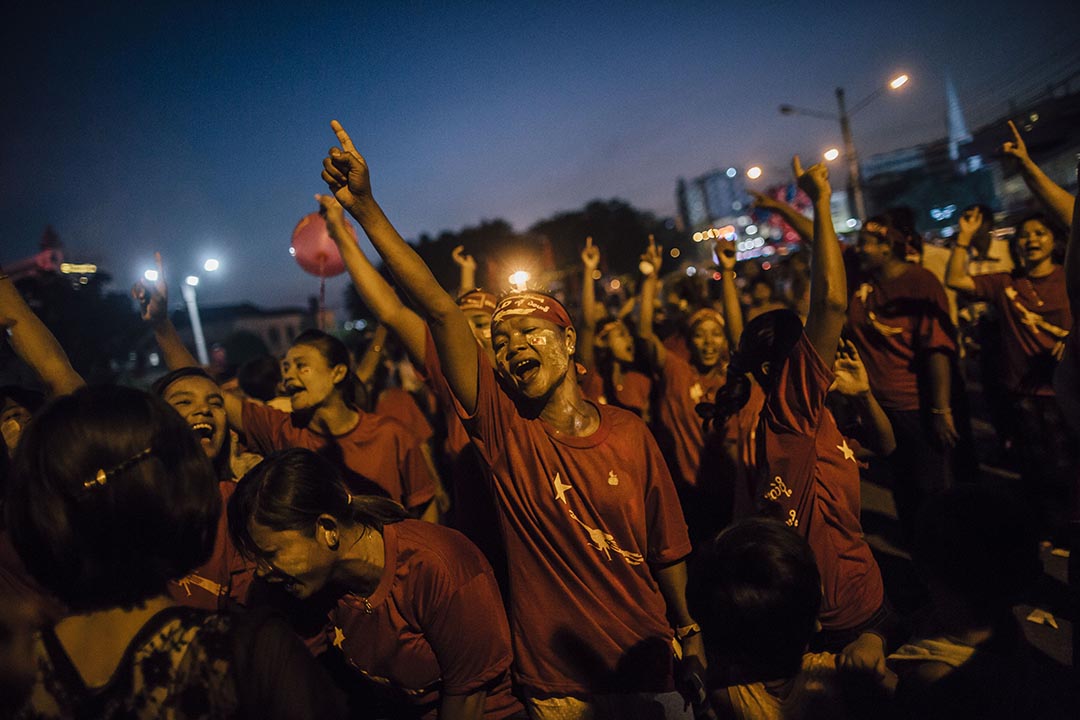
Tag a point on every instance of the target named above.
point(313, 249)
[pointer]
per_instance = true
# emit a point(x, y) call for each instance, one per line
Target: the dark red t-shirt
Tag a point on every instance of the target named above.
point(583, 518)
point(813, 479)
point(434, 625)
point(1035, 323)
point(378, 456)
point(679, 428)
point(400, 405)
point(895, 325)
point(632, 393)
point(223, 579)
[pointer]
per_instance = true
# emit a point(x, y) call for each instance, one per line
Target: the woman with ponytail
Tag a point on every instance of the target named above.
point(807, 473)
point(418, 614)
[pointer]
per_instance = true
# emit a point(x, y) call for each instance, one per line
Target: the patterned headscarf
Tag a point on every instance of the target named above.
point(532, 304)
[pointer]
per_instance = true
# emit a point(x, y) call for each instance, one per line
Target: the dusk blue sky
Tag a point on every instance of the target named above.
point(199, 128)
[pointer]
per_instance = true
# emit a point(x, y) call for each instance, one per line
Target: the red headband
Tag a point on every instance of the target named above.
point(477, 301)
point(532, 304)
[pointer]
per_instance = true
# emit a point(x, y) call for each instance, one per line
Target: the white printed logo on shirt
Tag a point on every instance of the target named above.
point(599, 539)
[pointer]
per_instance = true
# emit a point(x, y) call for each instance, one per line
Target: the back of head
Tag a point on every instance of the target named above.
point(259, 377)
point(980, 543)
point(111, 496)
point(291, 488)
point(757, 595)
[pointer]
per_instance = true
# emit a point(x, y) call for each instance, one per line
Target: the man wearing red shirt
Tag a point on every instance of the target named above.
point(899, 322)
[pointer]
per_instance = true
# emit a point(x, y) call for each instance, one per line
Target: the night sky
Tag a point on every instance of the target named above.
point(199, 130)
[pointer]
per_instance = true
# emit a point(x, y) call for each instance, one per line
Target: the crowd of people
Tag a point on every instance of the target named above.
point(533, 506)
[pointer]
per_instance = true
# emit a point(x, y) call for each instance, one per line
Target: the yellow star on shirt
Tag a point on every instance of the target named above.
point(849, 454)
point(339, 637)
point(560, 488)
point(696, 392)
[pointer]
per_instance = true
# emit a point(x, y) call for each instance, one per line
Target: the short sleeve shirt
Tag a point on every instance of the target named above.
point(896, 324)
point(1035, 323)
point(679, 427)
point(379, 456)
point(812, 480)
point(434, 625)
point(583, 518)
point(223, 579)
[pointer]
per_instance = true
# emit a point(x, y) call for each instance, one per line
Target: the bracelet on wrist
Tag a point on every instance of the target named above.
point(941, 411)
point(684, 631)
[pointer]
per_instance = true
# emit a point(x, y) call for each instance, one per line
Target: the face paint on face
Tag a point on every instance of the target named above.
point(300, 564)
point(531, 354)
point(200, 402)
point(480, 323)
point(307, 377)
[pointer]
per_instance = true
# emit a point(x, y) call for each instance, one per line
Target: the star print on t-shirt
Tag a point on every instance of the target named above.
point(560, 488)
point(339, 638)
point(696, 392)
point(849, 454)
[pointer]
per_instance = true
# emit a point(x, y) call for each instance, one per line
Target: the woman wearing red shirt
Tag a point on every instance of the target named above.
point(595, 538)
point(419, 615)
point(1035, 321)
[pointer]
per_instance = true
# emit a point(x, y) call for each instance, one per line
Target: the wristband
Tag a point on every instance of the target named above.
point(941, 411)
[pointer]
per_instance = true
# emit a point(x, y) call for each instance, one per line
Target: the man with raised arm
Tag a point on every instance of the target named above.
point(595, 537)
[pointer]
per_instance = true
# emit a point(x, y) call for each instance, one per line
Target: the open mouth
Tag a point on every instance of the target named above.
point(205, 431)
point(525, 370)
point(293, 390)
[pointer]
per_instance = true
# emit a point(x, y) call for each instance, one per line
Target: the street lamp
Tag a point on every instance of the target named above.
point(753, 173)
point(844, 116)
point(831, 154)
point(519, 280)
point(187, 290)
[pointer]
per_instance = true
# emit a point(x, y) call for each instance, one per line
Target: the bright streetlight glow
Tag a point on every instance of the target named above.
point(151, 275)
point(751, 229)
point(754, 173)
point(192, 280)
point(675, 252)
point(698, 237)
point(211, 265)
point(831, 154)
point(732, 172)
point(518, 279)
point(898, 82)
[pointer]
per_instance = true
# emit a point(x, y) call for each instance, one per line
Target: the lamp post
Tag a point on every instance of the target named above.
point(844, 117)
point(187, 290)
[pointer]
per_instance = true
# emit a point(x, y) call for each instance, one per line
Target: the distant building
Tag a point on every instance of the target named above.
point(716, 198)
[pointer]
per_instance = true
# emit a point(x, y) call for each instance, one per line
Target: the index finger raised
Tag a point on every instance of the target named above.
point(796, 166)
point(342, 136)
point(1016, 133)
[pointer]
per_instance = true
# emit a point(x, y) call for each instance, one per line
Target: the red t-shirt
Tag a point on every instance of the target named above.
point(583, 518)
point(896, 324)
point(226, 577)
point(1035, 322)
point(813, 479)
point(379, 455)
point(679, 428)
point(632, 393)
point(434, 625)
point(400, 405)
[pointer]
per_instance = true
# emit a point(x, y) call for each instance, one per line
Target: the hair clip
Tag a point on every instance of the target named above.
point(102, 475)
point(348, 498)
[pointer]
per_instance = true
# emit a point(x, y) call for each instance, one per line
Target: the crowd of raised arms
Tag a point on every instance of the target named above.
point(532, 506)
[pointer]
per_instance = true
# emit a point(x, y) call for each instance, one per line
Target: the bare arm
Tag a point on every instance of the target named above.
point(372, 287)
point(1056, 199)
point(1072, 256)
point(590, 261)
point(154, 310)
point(828, 280)
point(467, 265)
point(672, 581)
point(853, 382)
point(940, 373)
point(651, 260)
point(35, 344)
point(957, 276)
point(801, 224)
point(729, 293)
point(346, 173)
point(365, 369)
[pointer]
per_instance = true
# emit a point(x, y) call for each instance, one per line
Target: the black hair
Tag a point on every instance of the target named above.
point(291, 488)
point(980, 543)
point(757, 594)
point(335, 353)
point(769, 337)
point(111, 496)
point(32, 400)
point(896, 238)
point(222, 461)
point(259, 377)
point(1056, 231)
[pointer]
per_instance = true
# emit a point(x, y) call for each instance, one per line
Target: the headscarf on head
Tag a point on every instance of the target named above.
point(705, 313)
point(532, 304)
point(477, 301)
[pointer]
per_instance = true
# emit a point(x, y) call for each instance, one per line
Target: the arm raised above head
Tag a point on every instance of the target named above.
point(1054, 197)
point(346, 174)
point(34, 343)
point(828, 280)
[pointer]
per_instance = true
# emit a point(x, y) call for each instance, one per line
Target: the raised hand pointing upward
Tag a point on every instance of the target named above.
point(814, 181)
point(346, 173)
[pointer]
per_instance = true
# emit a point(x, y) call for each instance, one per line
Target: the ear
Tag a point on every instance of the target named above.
point(570, 336)
point(326, 531)
point(339, 372)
